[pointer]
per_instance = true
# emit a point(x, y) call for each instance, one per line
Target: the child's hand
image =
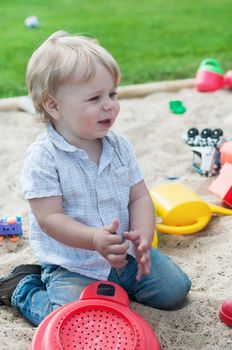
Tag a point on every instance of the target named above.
point(110, 246)
point(142, 251)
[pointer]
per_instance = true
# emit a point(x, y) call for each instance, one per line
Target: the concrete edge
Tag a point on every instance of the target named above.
point(129, 91)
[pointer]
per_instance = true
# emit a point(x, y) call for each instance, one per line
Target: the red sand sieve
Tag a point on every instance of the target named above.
point(96, 322)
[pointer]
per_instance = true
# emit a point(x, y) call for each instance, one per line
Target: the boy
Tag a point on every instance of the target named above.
point(91, 212)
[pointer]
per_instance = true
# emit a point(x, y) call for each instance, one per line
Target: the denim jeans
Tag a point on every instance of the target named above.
point(164, 288)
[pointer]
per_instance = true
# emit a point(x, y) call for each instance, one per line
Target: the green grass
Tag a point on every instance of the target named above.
point(152, 40)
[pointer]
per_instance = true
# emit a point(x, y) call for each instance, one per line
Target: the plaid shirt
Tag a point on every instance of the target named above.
point(92, 194)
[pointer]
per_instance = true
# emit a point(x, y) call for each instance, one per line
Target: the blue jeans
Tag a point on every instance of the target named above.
point(164, 288)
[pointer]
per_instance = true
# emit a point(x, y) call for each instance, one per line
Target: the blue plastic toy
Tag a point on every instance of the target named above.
point(11, 227)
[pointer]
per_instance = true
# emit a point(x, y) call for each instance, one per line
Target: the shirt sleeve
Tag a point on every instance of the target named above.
point(39, 176)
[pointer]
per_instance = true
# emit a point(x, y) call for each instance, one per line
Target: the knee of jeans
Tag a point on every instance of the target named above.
point(176, 293)
point(169, 295)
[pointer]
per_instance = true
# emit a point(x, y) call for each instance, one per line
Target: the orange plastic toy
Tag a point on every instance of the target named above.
point(226, 153)
point(222, 185)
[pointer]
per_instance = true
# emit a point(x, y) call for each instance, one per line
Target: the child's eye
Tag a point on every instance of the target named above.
point(95, 98)
point(113, 95)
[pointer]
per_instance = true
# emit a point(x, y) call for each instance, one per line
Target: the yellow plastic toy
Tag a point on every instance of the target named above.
point(181, 210)
point(155, 240)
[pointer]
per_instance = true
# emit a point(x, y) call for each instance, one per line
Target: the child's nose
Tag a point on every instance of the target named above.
point(108, 104)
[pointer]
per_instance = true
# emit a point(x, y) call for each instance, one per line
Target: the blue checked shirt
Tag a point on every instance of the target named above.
point(92, 194)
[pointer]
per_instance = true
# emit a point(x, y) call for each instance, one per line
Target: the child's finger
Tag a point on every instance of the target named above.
point(146, 266)
point(143, 246)
point(140, 272)
point(113, 227)
point(128, 235)
point(145, 262)
point(114, 239)
point(116, 259)
point(132, 235)
point(120, 248)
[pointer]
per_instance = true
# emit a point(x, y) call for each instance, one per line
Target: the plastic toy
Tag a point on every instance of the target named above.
point(155, 240)
point(225, 312)
point(206, 149)
point(210, 76)
point(226, 153)
point(222, 185)
point(100, 320)
point(182, 211)
point(11, 227)
point(177, 107)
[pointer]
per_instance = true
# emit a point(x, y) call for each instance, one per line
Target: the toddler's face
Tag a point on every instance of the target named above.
point(86, 111)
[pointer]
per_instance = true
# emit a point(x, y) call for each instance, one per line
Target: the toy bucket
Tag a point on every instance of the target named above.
point(182, 211)
point(100, 320)
point(210, 76)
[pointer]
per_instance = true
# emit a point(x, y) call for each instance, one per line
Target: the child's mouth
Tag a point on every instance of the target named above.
point(105, 122)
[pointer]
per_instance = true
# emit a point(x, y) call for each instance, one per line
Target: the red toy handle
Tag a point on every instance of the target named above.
point(114, 292)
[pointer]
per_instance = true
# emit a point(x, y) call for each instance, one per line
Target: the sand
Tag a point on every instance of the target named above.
point(157, 135)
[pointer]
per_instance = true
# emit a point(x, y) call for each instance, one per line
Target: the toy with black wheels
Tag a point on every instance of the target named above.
point(216, 133)
point(192, 132)
point(205, 133)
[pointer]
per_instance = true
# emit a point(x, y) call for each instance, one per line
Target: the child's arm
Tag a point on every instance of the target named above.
point(52, 220)
point(142, 225)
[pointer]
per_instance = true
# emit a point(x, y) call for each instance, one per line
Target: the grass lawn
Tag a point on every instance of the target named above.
point(152, 39)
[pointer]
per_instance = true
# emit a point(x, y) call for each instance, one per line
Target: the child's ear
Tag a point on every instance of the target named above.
point(51, 107)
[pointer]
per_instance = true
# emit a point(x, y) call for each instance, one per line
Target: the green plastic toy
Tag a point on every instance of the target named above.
point(177, 107)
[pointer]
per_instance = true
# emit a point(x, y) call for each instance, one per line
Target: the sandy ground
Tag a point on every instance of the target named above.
point(157, 135)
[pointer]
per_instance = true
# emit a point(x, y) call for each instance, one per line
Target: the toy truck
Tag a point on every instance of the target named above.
point(11, 227)
point(205, 150)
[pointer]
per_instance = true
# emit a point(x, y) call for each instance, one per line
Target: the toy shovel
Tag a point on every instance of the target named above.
point(181, 210)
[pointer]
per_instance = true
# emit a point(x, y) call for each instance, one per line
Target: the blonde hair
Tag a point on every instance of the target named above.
point(54, 62)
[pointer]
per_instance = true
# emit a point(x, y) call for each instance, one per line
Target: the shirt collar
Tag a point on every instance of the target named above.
point(58, 140)
point(63, 145)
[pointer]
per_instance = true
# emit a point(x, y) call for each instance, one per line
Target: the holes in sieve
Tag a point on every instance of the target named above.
point(97, 329)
